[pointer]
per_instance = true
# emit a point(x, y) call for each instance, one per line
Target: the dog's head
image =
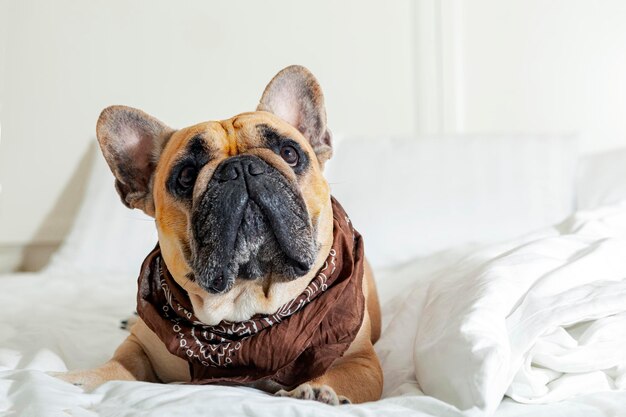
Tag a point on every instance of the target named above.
point(237, 199)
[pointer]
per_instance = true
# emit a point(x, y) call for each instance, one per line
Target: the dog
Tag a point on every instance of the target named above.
point(258, 278)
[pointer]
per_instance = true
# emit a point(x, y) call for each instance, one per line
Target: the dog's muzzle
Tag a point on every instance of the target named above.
point(249, 222)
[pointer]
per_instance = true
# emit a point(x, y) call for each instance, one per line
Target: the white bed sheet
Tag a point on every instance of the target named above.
point(58, 322)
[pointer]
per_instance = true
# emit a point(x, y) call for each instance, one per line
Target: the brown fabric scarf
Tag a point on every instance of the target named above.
point(294, 345)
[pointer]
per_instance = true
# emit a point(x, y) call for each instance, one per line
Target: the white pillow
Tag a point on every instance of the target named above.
point(412, 197)
point(602, 179)
point(106, 236)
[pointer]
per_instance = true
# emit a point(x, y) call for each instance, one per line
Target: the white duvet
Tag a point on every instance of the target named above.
point(539, 320)
point(543, 319)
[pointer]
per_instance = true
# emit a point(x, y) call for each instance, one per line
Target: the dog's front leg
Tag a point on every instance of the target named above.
point(356, 377)
point(129, 363)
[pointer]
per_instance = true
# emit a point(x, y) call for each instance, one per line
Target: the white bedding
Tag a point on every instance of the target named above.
point(448, 335)
point(541, 319)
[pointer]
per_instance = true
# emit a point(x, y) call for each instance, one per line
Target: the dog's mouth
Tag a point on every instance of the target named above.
point(249, 226)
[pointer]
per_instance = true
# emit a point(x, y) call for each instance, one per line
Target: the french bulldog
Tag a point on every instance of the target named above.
point(246, 226)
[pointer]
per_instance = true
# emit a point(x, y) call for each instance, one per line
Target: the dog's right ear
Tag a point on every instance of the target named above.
point(131, 142)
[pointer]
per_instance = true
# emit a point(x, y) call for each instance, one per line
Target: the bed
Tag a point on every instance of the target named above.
point(500, 263)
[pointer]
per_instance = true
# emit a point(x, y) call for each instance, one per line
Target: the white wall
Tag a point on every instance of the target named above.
point(184, 62)
point(388, 67)
point(524, 66)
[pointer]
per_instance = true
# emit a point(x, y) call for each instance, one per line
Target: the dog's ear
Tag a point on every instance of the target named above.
point(131, 142)
point(295, 96)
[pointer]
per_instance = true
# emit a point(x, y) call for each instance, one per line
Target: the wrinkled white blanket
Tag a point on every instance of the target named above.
point(540, 320)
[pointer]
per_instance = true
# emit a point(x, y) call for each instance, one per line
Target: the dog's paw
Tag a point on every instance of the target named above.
point(323, 394)
point(87, 380)
point(126, 324)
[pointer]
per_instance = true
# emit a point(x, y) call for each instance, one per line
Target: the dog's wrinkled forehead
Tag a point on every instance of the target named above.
point(205, 145)
point(243, 133)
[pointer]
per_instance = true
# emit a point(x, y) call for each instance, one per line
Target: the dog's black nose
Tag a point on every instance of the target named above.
point(255, 166)
point(218, 284)
point(228, 171)
point(233, 168)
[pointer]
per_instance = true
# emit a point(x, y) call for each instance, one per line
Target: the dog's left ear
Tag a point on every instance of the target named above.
point(295, 96)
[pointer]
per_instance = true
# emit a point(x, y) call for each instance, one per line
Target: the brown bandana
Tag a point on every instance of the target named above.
point(292, 346)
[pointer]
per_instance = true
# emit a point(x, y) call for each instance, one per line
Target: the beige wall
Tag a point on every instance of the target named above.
point(183, 62)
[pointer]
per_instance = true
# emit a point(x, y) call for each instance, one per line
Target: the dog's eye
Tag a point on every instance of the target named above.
point(290, 155)
point(187, 177)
